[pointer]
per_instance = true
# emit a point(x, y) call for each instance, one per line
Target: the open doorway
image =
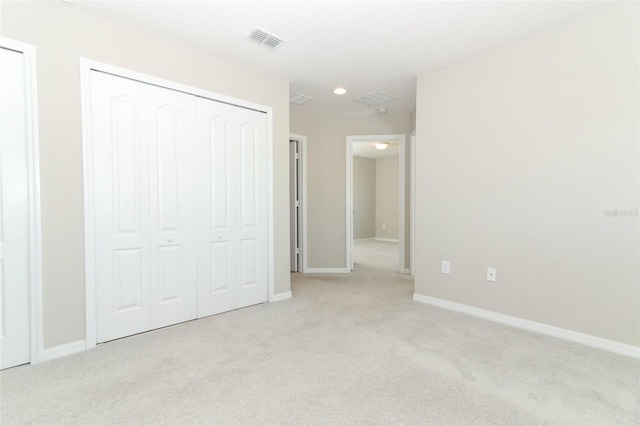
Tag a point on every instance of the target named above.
point(376, 200)
point(297, 202)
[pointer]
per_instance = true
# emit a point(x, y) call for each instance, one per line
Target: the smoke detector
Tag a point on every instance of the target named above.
point(265, 38)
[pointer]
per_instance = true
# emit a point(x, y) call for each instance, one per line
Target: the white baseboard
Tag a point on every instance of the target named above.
point(359, 240)
point(327, 271)
point(282, 296)
point(561, 333)
point(63, 350)
point(388, 240)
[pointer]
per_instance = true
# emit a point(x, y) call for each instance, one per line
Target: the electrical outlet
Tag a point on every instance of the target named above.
point(491, 274)
point(446, 266)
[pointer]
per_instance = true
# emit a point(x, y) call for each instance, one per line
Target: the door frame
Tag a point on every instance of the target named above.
point(351, 139)
point(86, 67)
point(412, 200)
point(302, 144)
point(36, 340)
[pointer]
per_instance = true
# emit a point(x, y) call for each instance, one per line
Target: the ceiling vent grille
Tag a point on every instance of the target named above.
point(265, 38)
point(374, 98)
point(299, 99)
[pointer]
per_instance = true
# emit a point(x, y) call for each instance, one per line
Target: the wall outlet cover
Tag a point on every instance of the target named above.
point(491, 274)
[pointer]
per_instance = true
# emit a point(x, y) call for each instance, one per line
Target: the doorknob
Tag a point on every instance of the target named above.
point(170, 239)
point(219, 236)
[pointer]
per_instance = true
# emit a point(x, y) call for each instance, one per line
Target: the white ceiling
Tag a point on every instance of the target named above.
point(363, 45)
point(369, 150)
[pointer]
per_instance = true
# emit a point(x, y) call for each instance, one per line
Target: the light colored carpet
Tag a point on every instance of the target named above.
point(347, 349)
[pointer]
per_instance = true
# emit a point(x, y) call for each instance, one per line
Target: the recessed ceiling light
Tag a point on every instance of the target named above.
point(381, 145)
point(340, 91)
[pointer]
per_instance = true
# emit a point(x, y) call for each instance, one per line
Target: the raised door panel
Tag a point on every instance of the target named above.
point(119, 178)
point(216, 146)
point(252, 207)
point(14, 212)
point(172, 170)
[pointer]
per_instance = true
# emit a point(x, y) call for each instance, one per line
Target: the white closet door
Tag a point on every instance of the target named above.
point(143, 172)
point(120, 191)
point(172, 167)
point(232, 222)
point(252, 209)
point(14, 212)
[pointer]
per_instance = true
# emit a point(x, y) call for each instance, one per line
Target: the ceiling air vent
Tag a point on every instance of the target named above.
point(374, 98)
point(299, 99)
point(266, 38)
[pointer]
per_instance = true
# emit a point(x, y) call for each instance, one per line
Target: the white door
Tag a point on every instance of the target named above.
point(14, 212)
point(144, 205)
point(294, 205)
point(173, 206)
point(233, 207)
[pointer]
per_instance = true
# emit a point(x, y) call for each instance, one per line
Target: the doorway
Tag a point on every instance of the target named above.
point(354, 143)
point(297, 202)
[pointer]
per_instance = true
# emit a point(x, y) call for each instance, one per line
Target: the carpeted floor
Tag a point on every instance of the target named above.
point(347, 349)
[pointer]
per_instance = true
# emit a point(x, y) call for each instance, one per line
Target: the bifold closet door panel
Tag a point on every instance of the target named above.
point(120, 200)
point(217, 246)
point(172, 184)
point(14, 212)
point(252, 209)
point(144, 205)
point(233, 209)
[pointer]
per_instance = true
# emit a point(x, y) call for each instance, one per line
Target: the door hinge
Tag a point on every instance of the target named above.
point(297, 203)
point(297, 156)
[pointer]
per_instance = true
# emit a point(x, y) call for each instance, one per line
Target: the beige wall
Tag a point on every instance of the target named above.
point(387, 198)
point(62, 35)
point(521, 152)
point(364, 198)
point(326, 177)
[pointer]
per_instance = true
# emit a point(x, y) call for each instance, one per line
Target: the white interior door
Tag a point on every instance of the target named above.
point(294, 205)
point(120, 171)
point(233, 210)
point(14, 212)
point(143, 176)
point(173, 211)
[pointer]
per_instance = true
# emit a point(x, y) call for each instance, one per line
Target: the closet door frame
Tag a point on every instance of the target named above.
point(36, 341)
point(87, 66)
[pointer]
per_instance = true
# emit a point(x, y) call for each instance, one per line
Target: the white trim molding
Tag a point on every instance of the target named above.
point(327, 270)
point(282, 296)
point(64, 350)
point(361, 240)
point(36, 338)
point(560, 333)
point(412, 200)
